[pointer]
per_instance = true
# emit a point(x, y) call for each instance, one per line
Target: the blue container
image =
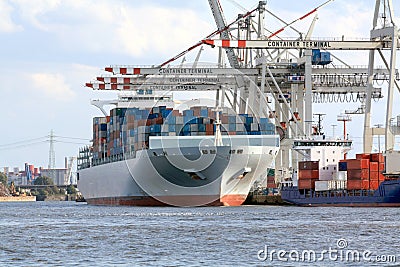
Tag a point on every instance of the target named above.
point(202, 127)
point(186, 128)
point(165, 113)
point(103, 127)
point(171, 120)
point(231, 119)
point(249, 120)
point(232, 127)
point(188, 113)
point(145, 113)
point(153, 116)
point(155, 128)
point(342, 166)
point(171, 128)
point(204, 113)
point(188, 119)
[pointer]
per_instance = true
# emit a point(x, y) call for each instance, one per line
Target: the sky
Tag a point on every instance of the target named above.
point(51, 48)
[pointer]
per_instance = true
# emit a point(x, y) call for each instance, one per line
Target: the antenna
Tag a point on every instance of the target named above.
point(52, 156)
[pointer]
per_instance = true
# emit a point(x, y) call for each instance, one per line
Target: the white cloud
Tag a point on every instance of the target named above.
point(33, 11)
point(157, 29)
point(6, 23)
point(52, 86)
point(130, 28)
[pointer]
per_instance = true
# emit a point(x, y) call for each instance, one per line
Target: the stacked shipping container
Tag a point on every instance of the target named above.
point(364, 172)
point(308, 174)
point(127, 130)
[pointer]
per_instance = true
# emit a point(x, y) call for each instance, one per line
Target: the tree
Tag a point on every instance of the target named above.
point(71, 189)
point(43, 180)
point(3, 179)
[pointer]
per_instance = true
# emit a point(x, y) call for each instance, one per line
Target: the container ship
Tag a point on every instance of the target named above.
point(326, 181)
point(148, 153)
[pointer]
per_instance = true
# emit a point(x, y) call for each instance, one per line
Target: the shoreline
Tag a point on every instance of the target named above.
point(18, 199)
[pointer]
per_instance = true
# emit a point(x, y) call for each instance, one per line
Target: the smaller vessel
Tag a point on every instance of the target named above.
point(327, 178)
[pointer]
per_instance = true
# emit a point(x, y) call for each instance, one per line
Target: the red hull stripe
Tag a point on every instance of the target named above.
point(228, 200)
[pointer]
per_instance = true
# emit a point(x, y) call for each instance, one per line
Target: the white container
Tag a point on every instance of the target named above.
point(341, 185)
point(332, 185)
point(392, 159)
point(322, 185)
point(341, 176)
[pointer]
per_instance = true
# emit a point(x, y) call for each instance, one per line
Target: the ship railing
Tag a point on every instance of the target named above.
point(113, 158)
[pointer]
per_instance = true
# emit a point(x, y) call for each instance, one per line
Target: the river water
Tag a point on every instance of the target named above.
point(76, 234)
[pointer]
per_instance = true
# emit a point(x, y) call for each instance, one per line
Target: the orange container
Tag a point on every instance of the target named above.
point(209, 128)
point(365, 184)
point(362, 174)
point(357, 164)
point(374, 176)
point(373, 185)
point(373, 166)
point(354, 184)
point(377, 157)
point(308, 174)
point(363, 156)
point(307, 184)
point(381, 177)
point(381, 166)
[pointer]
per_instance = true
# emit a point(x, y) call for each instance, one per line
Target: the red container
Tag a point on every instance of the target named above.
point(354, 184)
point(357, 164)
point(270, 179)
point(373, 166)
point(306, 184)
point(373, 185)
point(374, 176)
point(363, 156)
point(271, 185)
point(381, 177)
point(381, 166)
point(377, 157)
point(365, 184)
point(362, 174)
point(309, 165)
point(308, 174)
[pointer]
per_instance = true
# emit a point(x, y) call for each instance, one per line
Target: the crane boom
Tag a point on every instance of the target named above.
point(299, 44)
point(221, 24)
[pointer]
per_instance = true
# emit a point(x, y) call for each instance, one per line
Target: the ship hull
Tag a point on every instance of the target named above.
point(387, 195)
point(178, 177)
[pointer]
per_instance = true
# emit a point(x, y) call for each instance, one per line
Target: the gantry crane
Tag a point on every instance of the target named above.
point(269, 73)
